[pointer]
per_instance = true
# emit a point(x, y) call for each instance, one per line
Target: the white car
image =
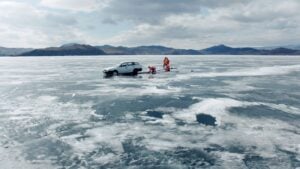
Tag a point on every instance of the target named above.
point(126, 68)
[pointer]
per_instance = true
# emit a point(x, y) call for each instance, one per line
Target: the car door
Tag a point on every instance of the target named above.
point(122, 68)
point(129, 67)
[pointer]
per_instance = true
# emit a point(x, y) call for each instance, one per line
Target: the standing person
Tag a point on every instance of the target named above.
point(166, 64)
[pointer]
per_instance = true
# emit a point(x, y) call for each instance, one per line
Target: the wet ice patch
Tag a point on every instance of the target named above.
point(259, 71)
point(262, 111)
point(206, 119)
point(12, 158)
point(155, 114)
point(223, 110)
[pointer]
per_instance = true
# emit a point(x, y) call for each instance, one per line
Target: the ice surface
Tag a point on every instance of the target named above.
point(59, 112)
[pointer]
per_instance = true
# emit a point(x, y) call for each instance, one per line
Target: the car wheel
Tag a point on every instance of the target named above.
point(135, 72)
point(115, 73)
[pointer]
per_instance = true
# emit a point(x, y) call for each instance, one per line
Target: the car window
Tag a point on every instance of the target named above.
point(123, 65)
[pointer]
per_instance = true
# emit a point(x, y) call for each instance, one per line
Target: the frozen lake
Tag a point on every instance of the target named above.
point(59, 112)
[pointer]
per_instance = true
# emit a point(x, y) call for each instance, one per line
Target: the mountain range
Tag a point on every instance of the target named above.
point(13, 51)
point(65, 50)
point(82, 49)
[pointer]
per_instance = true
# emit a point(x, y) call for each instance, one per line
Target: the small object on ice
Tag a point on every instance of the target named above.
point(155, 114)
point(206, 119)
point(152, 69)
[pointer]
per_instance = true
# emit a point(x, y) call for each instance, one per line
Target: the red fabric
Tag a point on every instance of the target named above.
point(167, 64)
point(166, 61)
point(167, 68)
point(152, 69)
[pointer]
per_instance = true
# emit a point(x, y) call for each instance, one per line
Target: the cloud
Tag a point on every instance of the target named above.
point(251, 23)
point(176, 23)
point(261, 11)
point(155, 10)
point(23, 25)
point(76, 5)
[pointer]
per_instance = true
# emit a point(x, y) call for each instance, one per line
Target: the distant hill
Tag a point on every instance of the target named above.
point(281, 51)
point(214, 50)
point(111, 50)
point(81, 49)
point(13, 51)
point(294, 47)
point(146, 50)
point(66, 50)
point(226, 50)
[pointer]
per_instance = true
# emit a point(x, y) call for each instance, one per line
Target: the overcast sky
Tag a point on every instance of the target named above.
point(176, 23)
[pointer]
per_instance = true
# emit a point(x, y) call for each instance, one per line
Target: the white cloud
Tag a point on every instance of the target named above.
point(155, 10)
point(76, 5)
point(267, 10)
point(193, 24)
point(23, 25)
point(257, 23)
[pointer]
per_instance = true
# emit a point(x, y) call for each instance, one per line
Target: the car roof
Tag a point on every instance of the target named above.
point(130, 62)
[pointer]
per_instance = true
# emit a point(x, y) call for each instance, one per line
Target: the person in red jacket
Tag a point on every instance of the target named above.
point(152, 69)
point(166, 64)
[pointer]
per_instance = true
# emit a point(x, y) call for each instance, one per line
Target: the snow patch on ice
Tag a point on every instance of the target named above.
point(214, 107)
